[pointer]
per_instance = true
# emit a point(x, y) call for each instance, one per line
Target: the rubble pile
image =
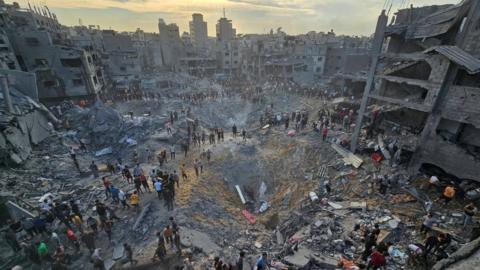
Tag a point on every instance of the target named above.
point(28, 124)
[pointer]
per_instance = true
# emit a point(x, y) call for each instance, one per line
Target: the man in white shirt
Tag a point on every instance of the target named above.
point(158, 188)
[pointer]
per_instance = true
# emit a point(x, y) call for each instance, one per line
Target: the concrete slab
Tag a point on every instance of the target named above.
point(200, 240)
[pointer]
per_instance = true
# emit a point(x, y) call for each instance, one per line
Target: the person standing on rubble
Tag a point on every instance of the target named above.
point(158, 188)
point(239, 264)
point(89, 239)
point(127, 175)
point(427, 224)
point(161, 251)
point(168, 235)
point(106, 185)
point(183, 172)
point(172, 151)
point(262, 263)
point(377, 261)
point(94, 169)
point(324, 133)
point(92, 223)
point(135, 201)
point(196, 167)
point(123, 199)
point(144, 182)
point(448, 194)
point(244, 135)
point(234, 131)
point(73, 155)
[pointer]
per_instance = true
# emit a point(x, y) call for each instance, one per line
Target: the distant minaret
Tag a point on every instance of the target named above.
point(224, 13)
point(80, 22)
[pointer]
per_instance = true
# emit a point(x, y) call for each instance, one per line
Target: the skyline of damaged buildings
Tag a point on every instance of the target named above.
point(80, 61)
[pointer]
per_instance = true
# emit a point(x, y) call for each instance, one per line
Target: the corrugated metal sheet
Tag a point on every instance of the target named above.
point(459, 57)
point(438, 23)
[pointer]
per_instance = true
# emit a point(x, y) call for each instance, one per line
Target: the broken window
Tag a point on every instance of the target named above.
point(123, 68)
point(319, 58)
point(74, 62)
point(32, 41)
point(465, 79)
point(77, 82)
point(49, 83)
point(420, 71)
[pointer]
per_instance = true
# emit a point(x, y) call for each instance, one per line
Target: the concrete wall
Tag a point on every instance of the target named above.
point(463, 104)
point(451, 158)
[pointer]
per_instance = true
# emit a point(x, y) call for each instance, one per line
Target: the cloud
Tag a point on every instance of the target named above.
point(248, 16)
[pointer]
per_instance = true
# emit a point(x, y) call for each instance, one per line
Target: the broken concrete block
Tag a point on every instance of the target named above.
point(118, 251)
point(200, 240)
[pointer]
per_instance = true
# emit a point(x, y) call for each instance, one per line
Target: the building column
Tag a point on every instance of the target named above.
point(376, 51)
point(6, 93)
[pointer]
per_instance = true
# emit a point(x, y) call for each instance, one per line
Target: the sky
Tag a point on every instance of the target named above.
point(353, 17)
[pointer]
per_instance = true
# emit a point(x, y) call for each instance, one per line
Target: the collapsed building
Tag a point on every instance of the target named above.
point(425, 83)
point(41, 45)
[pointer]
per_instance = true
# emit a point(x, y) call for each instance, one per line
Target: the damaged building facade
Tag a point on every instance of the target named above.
point(42, 45)
point(426, 86)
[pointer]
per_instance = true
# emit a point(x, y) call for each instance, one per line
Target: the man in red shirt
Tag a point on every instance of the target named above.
point(377, 260)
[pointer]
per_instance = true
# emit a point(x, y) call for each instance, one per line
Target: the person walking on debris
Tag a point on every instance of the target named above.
point(427, 224)
point(158, 188)
point(128, 255)
point(135, 201)
point(138, 185)
point(161, 251)
point(244, 135)
point(73, 155)
point(183, 172)
point(144, 182)
point(209, 155)
point(168, 235)
point(239, 264)
point(97, 260)
point(448, 194)
point(123, 199)
point(196, 166)
point(172, 151)
point(324, 133)
point(468, 212)
point(94, 169)
point(262, 263)
point(92, 223)
point(89, 239)
point(127, 175)
point(106, 184)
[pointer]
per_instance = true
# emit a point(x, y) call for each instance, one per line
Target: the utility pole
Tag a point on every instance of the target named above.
point(6, 93)
point(376, 51)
